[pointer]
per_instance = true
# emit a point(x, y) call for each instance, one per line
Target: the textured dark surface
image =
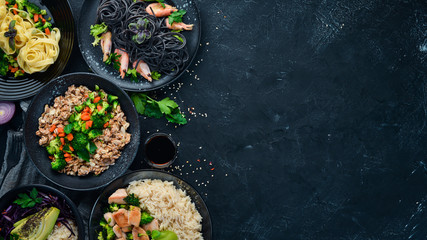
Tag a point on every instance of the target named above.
point(316, 119)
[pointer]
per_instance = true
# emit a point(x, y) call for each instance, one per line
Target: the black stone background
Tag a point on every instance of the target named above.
point(316, 119)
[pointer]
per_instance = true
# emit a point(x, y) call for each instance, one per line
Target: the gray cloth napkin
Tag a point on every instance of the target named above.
point(17, 169)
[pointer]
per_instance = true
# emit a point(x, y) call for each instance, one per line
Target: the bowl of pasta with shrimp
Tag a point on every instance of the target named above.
point(36, 40)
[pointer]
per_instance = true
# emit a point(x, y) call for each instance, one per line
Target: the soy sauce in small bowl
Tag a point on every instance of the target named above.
point(160, 150)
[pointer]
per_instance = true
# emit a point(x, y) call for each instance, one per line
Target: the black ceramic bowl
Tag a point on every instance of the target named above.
point(123, 182)
point(93, 55)
point(29, 85)
point(39, 155)
point(12, 195)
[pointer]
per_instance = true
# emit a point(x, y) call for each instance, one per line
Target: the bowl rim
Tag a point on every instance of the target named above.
point(79, 220)
point(98, 199)
point(27, 119)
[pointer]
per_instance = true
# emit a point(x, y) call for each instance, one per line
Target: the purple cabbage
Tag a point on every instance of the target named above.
point(15, 213)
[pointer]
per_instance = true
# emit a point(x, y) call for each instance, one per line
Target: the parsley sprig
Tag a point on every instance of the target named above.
point(176, 16)
point(166, 107)
point(26, 201)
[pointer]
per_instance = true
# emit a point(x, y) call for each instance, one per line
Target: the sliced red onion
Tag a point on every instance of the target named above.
point(7, 109)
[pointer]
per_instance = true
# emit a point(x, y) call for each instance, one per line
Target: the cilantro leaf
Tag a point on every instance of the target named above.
point(155, 75)
point(96, 30)
point(176, 16)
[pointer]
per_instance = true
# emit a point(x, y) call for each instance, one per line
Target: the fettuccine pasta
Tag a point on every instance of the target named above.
point(40, 51)
point(35, 50)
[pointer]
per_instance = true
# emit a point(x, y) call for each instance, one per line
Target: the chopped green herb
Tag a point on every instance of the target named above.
point(133, 74)
point(113, 58)
point(155, 75)
point(179, 38)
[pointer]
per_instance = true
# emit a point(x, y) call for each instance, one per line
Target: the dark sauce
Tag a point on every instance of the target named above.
point(160, 150)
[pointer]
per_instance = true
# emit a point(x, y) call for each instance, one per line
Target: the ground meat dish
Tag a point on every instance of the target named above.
point(109, 144)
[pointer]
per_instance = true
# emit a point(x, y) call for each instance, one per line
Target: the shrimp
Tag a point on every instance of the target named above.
point(106, 44)
point(143, 69)
point(179, 26)
point(124, 62)
point(159, 10)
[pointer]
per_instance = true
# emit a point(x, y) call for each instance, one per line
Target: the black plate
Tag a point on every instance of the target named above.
point(11, 196)
point(93, 55)
point(39, 154)
point(122, 182)
point(29, 85)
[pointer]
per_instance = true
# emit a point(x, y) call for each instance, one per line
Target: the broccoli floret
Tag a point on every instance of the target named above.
point(79, 141)
point(105, 106)
point(21, 4)
point(58, 164)
point(38, 24)
point(131, 199)
point(92, 96)
point(32, 8)
point(113, 207)
point(96, 88)
point(115, 104)
point(97, 122)
point(101, 94)
point(43, 12)
point(79, 108)
point(76, 126)
point(146, 218)
point(94, 133)
point(47, 25)
point(110, 233)
point(18, 73)
point(101, 236)
point(54, 146)
point(129, 236)
point(103, 223)
point(96, 30)
point(111, 98)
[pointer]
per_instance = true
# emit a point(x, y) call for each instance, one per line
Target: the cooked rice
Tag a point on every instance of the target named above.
point(109, 144)
point(62, 232)
point(171, 206)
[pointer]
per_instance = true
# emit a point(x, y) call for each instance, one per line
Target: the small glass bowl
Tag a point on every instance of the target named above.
point(164, 164)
